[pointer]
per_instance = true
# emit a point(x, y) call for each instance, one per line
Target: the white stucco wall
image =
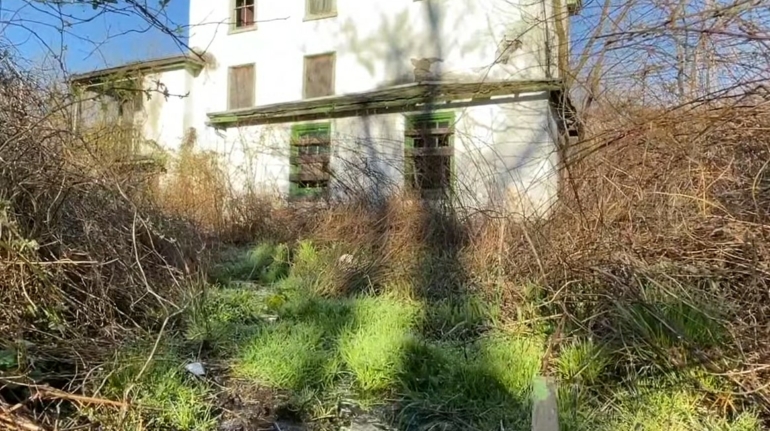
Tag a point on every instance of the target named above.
point(167, 113)
point(374, 42)
point(505, 151)
point(505, 155)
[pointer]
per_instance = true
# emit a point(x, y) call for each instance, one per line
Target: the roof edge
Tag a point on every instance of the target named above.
point(158, 64)
point(406, 97)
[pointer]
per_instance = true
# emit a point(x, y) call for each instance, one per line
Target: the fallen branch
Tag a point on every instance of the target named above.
point(50, 393)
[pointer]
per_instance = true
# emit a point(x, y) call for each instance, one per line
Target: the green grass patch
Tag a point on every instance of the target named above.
point(582, 361)
point(667, 404)
point(223, 317)
point(461, 318)
point(446, 361)
point(374, 345)
point(299, 350)
point(289, 355)
point(165, 395)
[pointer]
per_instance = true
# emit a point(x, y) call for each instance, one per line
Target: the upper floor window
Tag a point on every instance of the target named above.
point(243, 14)
point(319, 76)
point(315, 9)
point(428, 153)
point(241, 86)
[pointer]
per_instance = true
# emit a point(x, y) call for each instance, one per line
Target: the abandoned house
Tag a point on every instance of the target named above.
point(324, 99)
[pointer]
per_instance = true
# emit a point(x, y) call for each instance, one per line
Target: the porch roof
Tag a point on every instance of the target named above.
point(400, 98)
point(154, 65)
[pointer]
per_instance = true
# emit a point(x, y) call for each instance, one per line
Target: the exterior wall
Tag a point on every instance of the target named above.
point(165, 116)
point(505, 151)
point(505, 155)
point(374, 42)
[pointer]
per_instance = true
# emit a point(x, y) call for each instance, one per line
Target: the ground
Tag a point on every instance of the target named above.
point(283, 349)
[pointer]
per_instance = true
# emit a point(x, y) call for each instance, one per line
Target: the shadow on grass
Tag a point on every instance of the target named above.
point(399, 333)
point(397, 329)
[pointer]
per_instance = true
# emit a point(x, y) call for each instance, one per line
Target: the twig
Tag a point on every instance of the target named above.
point(19, 423)
point(50, 393)
point(157, 342)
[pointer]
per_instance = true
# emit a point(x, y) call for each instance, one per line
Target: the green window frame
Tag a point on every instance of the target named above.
point(429, 138)
point(309, 160)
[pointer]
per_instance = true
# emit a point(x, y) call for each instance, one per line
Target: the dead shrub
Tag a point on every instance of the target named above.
point(81, 260)
point(195, 188)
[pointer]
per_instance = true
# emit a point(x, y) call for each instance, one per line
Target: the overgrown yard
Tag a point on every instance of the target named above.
point(644, 294)
point(274, 322)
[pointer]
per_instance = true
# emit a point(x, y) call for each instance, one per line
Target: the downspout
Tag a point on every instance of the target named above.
point(548, 74)
point(562, 61)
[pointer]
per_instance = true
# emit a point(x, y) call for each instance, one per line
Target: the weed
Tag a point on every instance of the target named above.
point(582, 361)
point(226, 316)
point(461, 318)
point(479, 385)
point(662, 404)
point(513, 360)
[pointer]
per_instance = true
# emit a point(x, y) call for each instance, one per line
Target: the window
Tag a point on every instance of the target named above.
point(241, 87)
point(428, 153)
point(243, 14)
point(319, 76)
point(320, 8)
point(310, 155)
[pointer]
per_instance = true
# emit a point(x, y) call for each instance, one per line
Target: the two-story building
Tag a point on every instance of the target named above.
point(314, 99)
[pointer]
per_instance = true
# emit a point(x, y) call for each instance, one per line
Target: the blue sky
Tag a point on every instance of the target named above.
point(90, 40)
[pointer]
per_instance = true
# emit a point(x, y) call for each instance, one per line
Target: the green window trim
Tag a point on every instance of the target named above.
point(321, 150)
point(412, 121)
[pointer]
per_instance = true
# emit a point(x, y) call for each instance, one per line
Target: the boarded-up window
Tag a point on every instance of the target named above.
point(428, 153)
point(319, 76)
point(244, 13)
point(241, 87)
point(320, 8)
point(310, 154)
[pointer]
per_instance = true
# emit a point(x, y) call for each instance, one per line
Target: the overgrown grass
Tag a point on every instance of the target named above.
point(374, 345)
point(164, 395)
point(444, 363)
point(265, 263)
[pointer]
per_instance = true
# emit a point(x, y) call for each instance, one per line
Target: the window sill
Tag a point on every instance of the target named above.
point(319, 17)
point(233, 30)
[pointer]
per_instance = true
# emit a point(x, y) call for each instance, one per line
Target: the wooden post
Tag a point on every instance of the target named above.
point(545, 409)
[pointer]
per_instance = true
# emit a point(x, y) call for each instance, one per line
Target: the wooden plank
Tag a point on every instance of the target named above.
point(149, 66)
point(303, 141)
point(310, 159)
point(320, 7)
point(241, 86)
point(319, 76)
point(417, 133)
point(310, 175)
point(439, 151)
point(409, 97)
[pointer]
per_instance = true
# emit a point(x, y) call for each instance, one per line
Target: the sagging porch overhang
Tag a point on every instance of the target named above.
point(401, 98)
point(98, 79)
